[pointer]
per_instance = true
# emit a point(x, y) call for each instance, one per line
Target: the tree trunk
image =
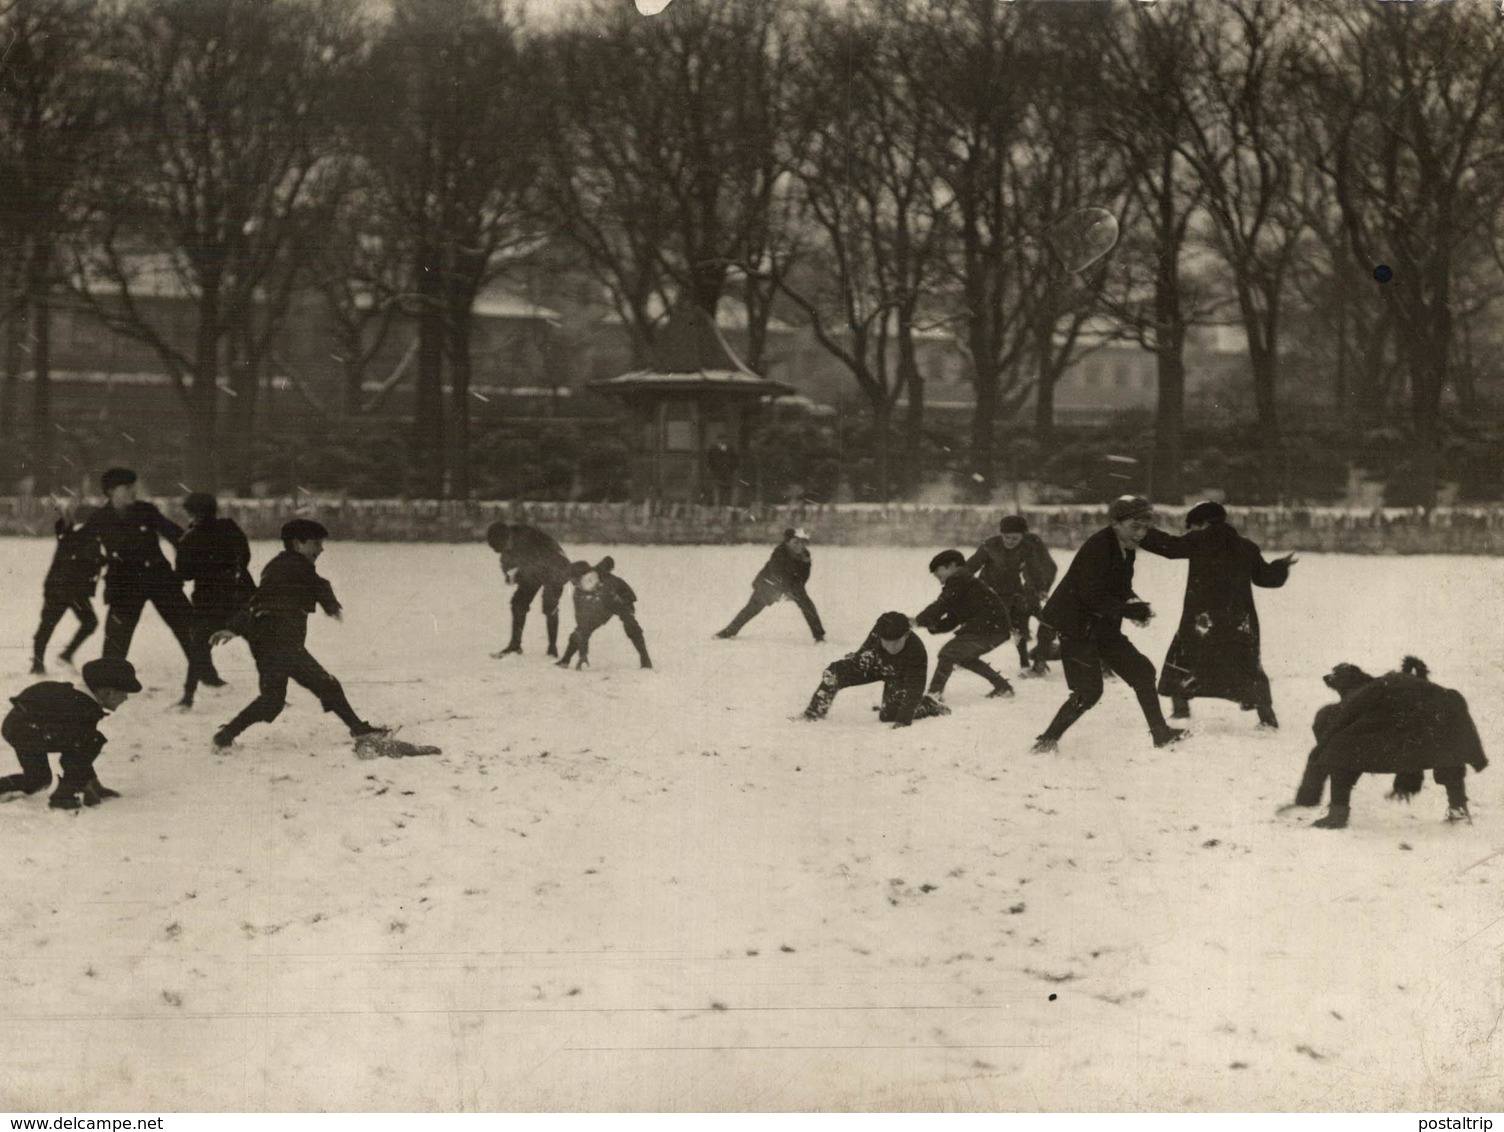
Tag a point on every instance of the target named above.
point(44, 436)
point(984, 414)
point(1169, 423)
point(203, 396)
point(240, 425)
point(428, 404)
point(882, 427)
point(1044, 387)
point(459, 393)
point(1169, 349)
point(913, 423)
point(10, 393)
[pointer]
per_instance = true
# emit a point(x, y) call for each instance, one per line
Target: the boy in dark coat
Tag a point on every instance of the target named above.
point(215, 556)
point(275, 624)
point(131, 531)
point(893, 654)
point(784, 575)
point(53, 716)
point(1400, 724)
point(600, 595)
point(70, 584)
point(1216, 650)
point(1087, 610)
point(978, 616)
point(534, 561)
point(1019, 569)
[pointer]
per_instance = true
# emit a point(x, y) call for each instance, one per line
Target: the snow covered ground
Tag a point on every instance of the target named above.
point(628, 890)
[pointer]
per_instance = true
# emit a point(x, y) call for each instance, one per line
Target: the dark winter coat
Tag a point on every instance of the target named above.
point(783, 575)
point(531, 555)
point(1216, 650)
point(215, 556)
point(132, 544)
point(611, 597)
point(291, 588)
point(1397, 723)
point(57, 717)
point(1026, 571)
point(76, 564)
point(910, 666)
point(1089, 602)
point(968, 606)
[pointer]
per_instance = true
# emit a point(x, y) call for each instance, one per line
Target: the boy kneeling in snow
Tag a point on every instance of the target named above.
point(53, 716)
point(600, 595)
point(896, 656)
point(1400, 724)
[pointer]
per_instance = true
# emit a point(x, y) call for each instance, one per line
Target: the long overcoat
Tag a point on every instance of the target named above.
point(1216, 652)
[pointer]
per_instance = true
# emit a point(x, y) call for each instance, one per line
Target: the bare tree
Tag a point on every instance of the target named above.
point(1142, 114)
point(868, 186)
point(1240, 129)
point(52, 96)
point(668, 145)
point(217, 134)
point(453, 153)
point(1415, 95)
point(974, 72)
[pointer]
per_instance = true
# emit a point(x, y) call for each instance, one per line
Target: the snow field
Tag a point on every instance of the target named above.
point(628, 890)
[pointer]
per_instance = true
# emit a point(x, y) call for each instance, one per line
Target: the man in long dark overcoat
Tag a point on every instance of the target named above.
point(1216, 650)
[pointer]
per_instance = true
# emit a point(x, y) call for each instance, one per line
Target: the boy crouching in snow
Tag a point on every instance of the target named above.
point(896, 656)
point(53, 716)
point(600, 595)
point(275, 624)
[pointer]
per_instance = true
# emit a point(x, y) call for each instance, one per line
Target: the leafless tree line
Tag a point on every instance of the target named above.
point(875, 169)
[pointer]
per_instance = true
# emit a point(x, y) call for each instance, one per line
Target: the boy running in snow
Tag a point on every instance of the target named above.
point(600, 595)
point(534, 561)
point(275, 624)
point(214, 555)
point(1018, 567)
point(893, 654)
point(783, 576)
point(70, 584)
point(978, 616)
point(53, 716)
point(1088, 609)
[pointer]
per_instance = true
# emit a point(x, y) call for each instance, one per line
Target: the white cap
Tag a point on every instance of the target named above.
point(800, 532)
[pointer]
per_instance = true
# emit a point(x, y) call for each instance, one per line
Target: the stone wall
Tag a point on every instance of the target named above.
point(1316, 529)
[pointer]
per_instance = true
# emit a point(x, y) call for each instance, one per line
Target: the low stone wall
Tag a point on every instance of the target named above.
point(1316, 529)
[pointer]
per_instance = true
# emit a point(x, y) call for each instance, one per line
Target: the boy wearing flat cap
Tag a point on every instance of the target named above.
point(978, 617)
point(275, 624)
point(784, 575)
point(1087, 610)
point(53, 716)
point(1017, 566)
point(600, 595)
point(131, 530)
point(215, 556)
point(892, 653)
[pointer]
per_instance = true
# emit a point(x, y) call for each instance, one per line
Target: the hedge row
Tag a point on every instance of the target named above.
point(1474, 530)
